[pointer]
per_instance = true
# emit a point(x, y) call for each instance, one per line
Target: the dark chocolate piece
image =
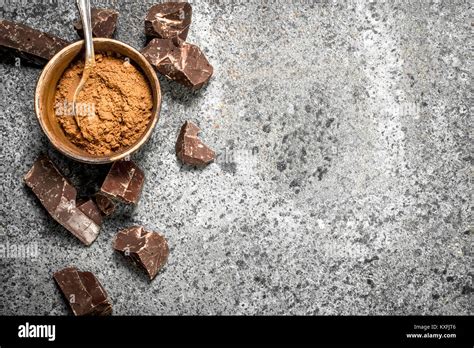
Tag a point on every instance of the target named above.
point(58, 196)
point(185, 64)
point(105, 204)
point(83, 292)
point(32, 45)
point(104, 23)
point(190, 149)
point(91, 210)
point(147, 249)
point(124, 182)
point(169, 20)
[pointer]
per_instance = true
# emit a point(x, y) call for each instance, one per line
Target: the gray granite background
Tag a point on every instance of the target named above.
point(343, 181)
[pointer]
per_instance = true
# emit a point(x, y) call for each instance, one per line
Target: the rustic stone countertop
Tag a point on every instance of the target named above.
point(342, 185)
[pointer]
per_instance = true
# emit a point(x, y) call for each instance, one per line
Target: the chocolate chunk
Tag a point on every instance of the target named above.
point(104, 23)
point(190, 149)
point(58, 196)
point(185, 64)
point(32, 45)
point(147, 249)
point(83, 292)
point(105, 204)
point(124, 182)
point(91, 210)
point(169, 20)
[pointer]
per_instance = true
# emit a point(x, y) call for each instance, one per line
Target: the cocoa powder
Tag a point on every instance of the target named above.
point(113, 109)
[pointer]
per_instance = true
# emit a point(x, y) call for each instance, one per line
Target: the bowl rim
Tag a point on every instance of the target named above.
point(92, 159)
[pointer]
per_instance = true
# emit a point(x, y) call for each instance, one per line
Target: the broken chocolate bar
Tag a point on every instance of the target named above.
point(105, 204)
point(190, 149)
point(185, 64)
point(83, 292)
point(124, 182)
point(58, 196)
point(104, 23)
point(168, 20)
point(147, 249)
point(24, 42)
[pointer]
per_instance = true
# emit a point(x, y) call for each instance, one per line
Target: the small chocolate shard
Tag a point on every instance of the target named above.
point(104, 23)
point(21, 41)
point(58, 196)
point(124, 182)
point(83, 292)
point(185, 64)
point(169, 20)
point(105, 204)
point(190, 149)
point(147, 249)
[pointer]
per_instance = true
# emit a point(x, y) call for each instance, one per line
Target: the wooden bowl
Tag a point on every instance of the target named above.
point(46, 89)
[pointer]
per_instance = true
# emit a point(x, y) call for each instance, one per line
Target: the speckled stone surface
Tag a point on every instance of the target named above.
point(342, 185)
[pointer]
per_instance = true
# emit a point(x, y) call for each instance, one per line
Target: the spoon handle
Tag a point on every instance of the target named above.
point(84, 7)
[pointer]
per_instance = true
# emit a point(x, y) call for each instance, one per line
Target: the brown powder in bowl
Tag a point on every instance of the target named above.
point(113, 109)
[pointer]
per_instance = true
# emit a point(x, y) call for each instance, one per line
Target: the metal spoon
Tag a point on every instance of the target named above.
point(84, 7)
